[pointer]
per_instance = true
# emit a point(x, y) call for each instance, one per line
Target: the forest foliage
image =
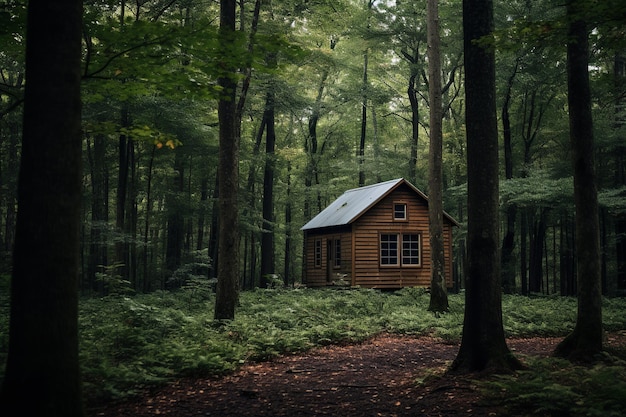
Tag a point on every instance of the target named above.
point(132, 343)
point(150, 92)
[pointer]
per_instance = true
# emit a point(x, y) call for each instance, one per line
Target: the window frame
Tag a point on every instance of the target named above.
point(399, 249)
point(418, 241)
point(388, 256)
point(404, 211)
point(317, 253)
point(337, 252)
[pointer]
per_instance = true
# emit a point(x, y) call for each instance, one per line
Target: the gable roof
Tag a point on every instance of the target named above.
point(353, 203)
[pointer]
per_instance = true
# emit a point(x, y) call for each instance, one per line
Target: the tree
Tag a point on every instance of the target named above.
point(586, 338)
point(228, 173)
point(483, 346)
point(438, 295)
point(43, 334)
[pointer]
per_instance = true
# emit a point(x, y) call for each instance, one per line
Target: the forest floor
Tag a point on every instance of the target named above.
point(388, 375)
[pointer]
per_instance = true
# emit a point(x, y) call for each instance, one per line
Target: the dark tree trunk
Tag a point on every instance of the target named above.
point(214, 230)
point(483, 346)
point(586, 339)
point(537, 244)
point(146, 231)
point(267, 237)
point(523, 259)
point(288, 274)
point(175, 217)
point(438, 291)
point(11, 188)
point(99, 213)
point(415, 125)
point(204, 196)
point(125, 148)
point(42, 376)
point(227, 294)
point(508, 242)
point(361, 151)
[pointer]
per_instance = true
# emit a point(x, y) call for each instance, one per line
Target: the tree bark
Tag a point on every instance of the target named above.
point(267, 237)
point(42, 373)
point(483, 346)
point(438, 291)
point(586, 339)
point(227, 290)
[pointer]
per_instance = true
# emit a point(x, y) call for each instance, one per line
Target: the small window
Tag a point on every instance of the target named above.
point(318, 253)
point(411, 250)
point(389, 249)
point(399, 211)
point(337, 262)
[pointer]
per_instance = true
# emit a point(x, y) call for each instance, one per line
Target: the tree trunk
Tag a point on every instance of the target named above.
point(415, 126)
point(175, 217)
point(483, 346)
point(288, 274)
point(508, 242)
point(267, 236)
point(214, 230)
point(586, 339)
point(438, 291)
point(361, 151)
point(99, 213)
point(228, 173)
point(42, 373)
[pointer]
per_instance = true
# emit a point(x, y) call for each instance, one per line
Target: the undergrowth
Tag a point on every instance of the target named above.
point(555, 387)
point(132, 343)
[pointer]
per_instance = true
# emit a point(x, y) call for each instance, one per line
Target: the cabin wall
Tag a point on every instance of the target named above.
point(328, 270)
point(379, 220)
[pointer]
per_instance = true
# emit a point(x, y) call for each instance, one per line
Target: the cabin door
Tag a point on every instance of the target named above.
point(330, 260)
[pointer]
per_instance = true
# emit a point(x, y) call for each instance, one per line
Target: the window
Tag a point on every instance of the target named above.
point(318, 253)
point(399, 211)
point(337, 260)
point(389, 249)
point(410, 250)
point(391, 254)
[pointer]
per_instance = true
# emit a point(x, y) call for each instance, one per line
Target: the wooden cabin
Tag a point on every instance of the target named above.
point(374, 237)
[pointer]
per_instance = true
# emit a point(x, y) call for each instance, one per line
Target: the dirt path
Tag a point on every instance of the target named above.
point(376, 378)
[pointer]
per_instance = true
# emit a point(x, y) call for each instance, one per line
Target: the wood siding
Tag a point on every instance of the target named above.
point(327, 273)
point(360, 246)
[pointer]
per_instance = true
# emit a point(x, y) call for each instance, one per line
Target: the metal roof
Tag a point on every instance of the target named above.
point(351, 204)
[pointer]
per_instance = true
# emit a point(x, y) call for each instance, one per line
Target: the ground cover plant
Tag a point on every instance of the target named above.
point(133, 343)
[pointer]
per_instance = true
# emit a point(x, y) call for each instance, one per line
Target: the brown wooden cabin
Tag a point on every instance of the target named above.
point(374, 237)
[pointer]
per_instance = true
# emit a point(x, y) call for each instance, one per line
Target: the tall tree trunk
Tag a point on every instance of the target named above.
point(619, 75)
point(361, 151)
point(43, 328)
point(288, 274)
point(124, 150)
point(483, 346)
point(175, 217)
point(227, 293)
point(508, 242)
point(267, 236)
point(415, 125)
point(438, 291)
point(12, 167)
point(99, 213)
point(537, 243)
point(146, 229)
point(214, 229)
point(586, 339)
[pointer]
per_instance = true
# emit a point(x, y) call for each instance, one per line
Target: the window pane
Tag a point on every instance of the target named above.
point(399, 211)
point(389, 249)
point(410, 250)
point(318, 253)
point(337, 252)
